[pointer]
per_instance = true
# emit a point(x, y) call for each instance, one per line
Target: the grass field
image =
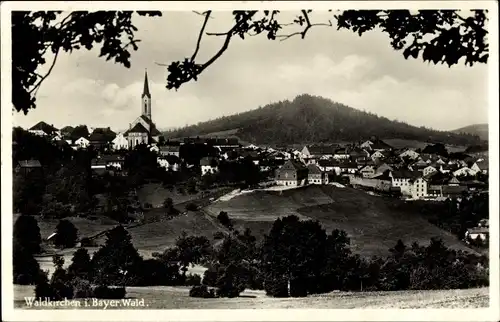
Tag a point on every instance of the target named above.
point(372, 224)
point(164, 297)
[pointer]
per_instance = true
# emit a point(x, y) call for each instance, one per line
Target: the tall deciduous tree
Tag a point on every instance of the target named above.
point(437, 36)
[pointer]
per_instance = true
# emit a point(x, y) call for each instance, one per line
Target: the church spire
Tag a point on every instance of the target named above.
point(145, 92)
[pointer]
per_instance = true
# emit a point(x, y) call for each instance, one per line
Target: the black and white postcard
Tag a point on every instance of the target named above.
point(250, 161)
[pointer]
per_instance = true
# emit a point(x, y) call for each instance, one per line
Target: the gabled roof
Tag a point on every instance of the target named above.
point(102, 134)
point(383, 176)
point(403, 174)
point(169, 148)
point(313, 169)
point(295, 164)
point(321, 149)
point(138, 128)
point(112, 158)
point(30, 164)
point(483, 165)
point(42, 126)
point(328, 163)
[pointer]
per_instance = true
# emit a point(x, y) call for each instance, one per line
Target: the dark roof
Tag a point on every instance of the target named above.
point(112, 157)
point(145, 91)
point(30, 164)
point(169, 148)
point(348, 165)
point(208, 161)
point(453, 189)
point(321, 149)
point(296, 164)
point(383, 176)
point(98, 161)
point(67, 129)
point(328, 163)
point(102, 134)
point(483, 165)
point(138, 128)
point(42, 126)
point(152, 127)
point(313, 169)
point(403, 173)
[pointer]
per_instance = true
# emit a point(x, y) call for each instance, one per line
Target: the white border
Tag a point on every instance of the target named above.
point(490, 314)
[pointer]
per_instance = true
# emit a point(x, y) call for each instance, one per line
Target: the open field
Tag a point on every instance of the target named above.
point(165, 297)
point(372, 223)
point(402, 143)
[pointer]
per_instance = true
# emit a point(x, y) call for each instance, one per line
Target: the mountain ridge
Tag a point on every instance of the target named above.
point(479, 129)
point(314, 119)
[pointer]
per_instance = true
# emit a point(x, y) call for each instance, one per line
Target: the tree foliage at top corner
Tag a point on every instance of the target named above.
point(437, 36)
point(35, 35)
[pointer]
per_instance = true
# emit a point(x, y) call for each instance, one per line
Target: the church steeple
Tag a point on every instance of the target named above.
point(145, 92)
point(146, 98)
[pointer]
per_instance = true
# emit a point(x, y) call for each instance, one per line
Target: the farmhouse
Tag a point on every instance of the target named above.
point(403, 180)
point(367, 171)
point(120, 142)
point(44, 129)
point(101, 137)
point(292, 173)
point(170, 150)
point(315, 175)
point(208, 165)
point(410, 154)
point(28, 166)
point(81, 142)
point(428, 170)
point(480, 166)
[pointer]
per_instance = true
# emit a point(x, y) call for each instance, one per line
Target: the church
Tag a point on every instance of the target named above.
point(143, 130)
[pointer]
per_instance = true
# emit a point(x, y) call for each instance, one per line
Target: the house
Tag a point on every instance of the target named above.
point(318, 151)
point(410, 154)
point(329, 166)
point(453, 191)
point(480, 166)
point(383, 168)
point(292, 173)
point(315, 175)
point(44, 129)
point(375, 144)
point(28, 166)
point(113, 161)
point(98, 166)
point(454, 182)
point(428, 170)
point(82, 143)
point(403, 179)
point(378, 155)
point(208, 165)
point(348, 167)
point(341, 154)
point(419, 188)
point(477, 233)
point(169, 162)
point(464, 171)
point(101, 137)
point(367, 171)
point(359, 155)
point(120, 142)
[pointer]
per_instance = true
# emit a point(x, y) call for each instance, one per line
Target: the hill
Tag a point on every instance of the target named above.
point(373, 223)
point(480, 130)
point(313, 119)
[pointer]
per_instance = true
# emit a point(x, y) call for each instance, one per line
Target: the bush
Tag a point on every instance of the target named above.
point(106, 292)
point(201, 291)
point(191, 207)
point(224, 219)
point(66, 234)
point(87, 242)
point(276, 286)
point(193, 280)
point(82, 288)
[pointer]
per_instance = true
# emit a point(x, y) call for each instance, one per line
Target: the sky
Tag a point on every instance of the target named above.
point(362, 72)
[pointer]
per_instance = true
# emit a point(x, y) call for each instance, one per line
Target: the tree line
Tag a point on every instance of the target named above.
point(313, 119)
point(296, 258)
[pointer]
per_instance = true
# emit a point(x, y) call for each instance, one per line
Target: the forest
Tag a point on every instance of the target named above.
point(314, 119)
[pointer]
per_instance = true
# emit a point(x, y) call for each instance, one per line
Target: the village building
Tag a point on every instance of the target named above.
point(292, 173)
point(428, 170)
point(120, 142)
point(44, 129)
point(208, 165)
point(419, 188)
point(402, 179)
point(481, 166)
point(315, 175)
point(143, 130)
point(101, 138)
point(410, 154)
point(28, 166)
point(367, 171)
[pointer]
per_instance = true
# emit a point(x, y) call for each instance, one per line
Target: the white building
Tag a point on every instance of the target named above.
point(428, 170)
point(82, 142)
point(120, 142)
point(419, 188)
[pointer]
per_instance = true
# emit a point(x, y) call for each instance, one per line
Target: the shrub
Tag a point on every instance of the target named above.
point(224, 219)
point(66, 234)
point(202, 291)
point(87, 242)
point(191, 207)
point(193, 280)
point(276, 286)
point(81, 288)
point(106, 292)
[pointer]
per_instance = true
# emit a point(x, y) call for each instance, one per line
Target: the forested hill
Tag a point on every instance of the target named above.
point(312, 119)
point(480, 130)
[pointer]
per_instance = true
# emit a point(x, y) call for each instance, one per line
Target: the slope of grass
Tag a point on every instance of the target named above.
point(165, 297)
point(372, 223)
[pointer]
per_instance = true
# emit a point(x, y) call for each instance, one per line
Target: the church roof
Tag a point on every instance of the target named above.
point(145, 92)
point(154, 131)
point(138, 128)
